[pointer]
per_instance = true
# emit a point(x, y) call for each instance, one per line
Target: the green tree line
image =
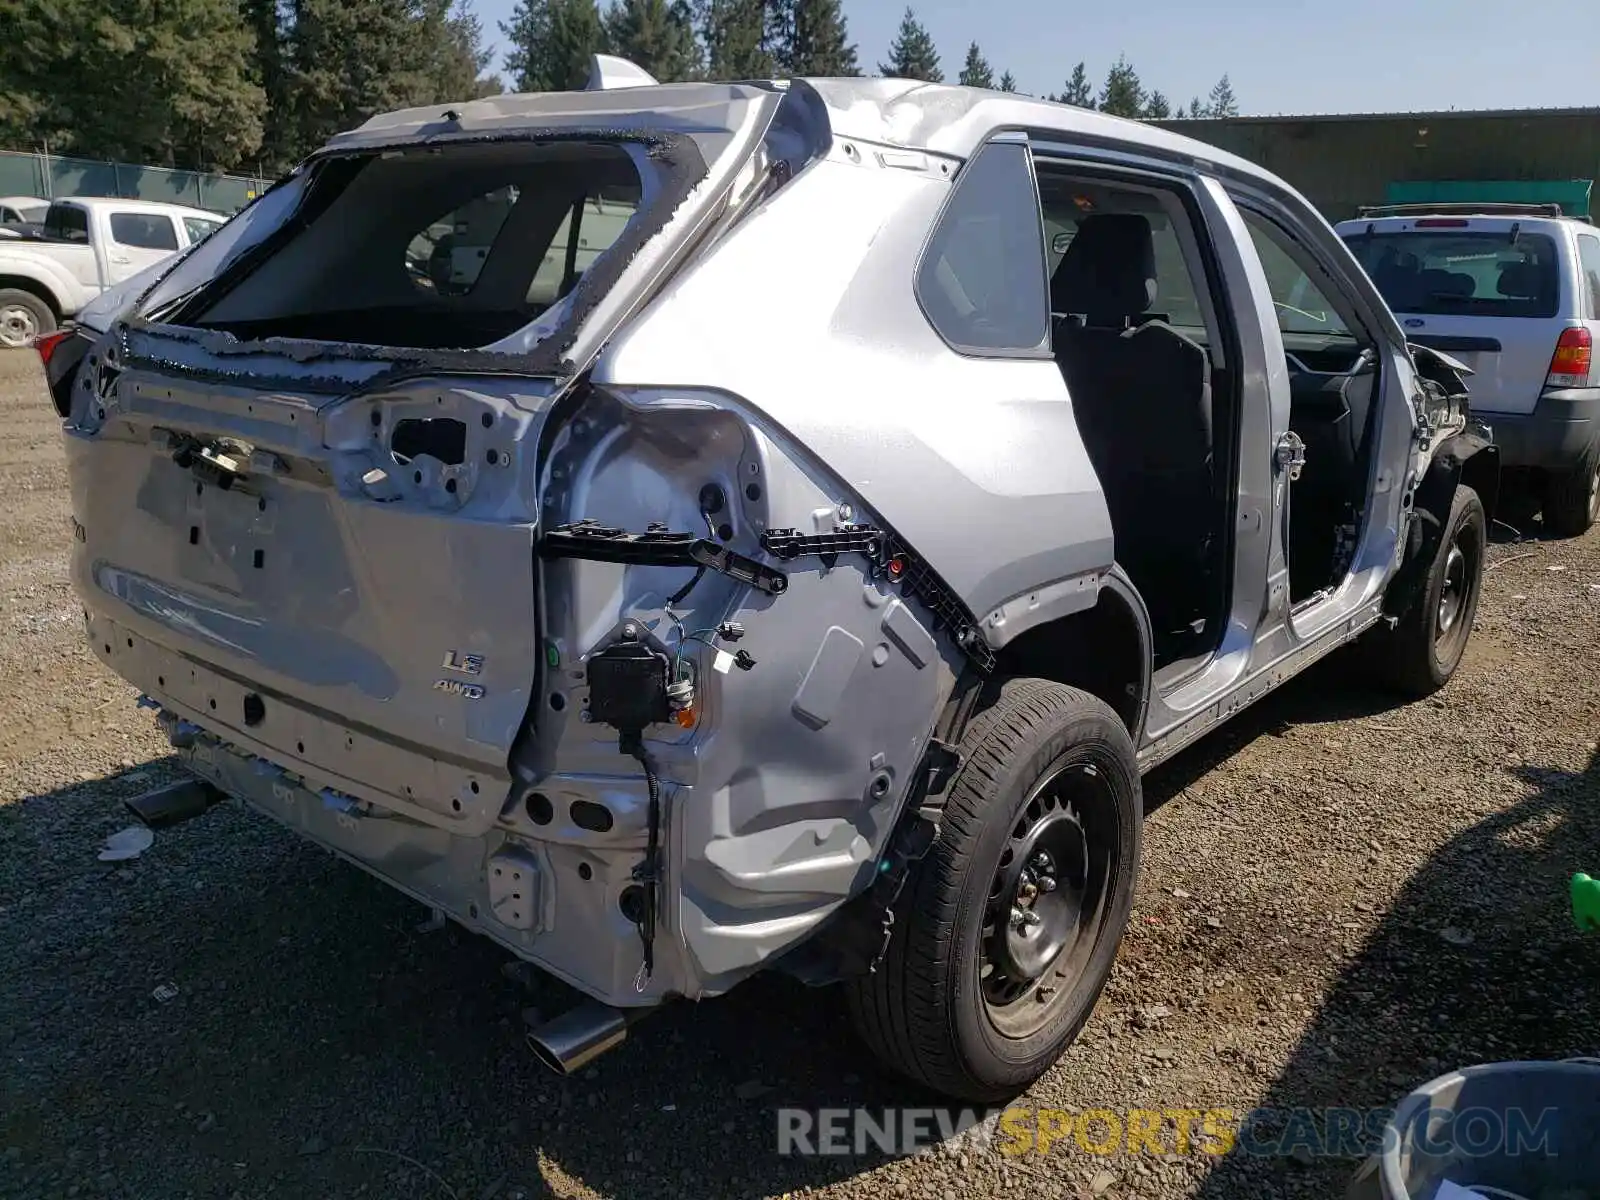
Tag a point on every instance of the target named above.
point(256, 84)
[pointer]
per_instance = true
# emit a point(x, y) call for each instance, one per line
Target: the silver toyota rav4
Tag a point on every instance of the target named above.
point(678, 531)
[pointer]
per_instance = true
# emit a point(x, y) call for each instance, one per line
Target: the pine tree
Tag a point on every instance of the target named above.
point(912, 54)
point(1197, 111)
point(552, 43)
point(1157, 107)
point(1223, 102)
point(976, 72)
point(168, 82)
point(462, 57)
point(265, 21)
point(656, 36)
point(349, 59)
point(737, 43)
point(1079, 91)
point(1123, 95)
point(819, 41)
point(1008, 82)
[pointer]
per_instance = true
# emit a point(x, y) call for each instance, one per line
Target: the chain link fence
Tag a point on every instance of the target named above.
point(53, 176)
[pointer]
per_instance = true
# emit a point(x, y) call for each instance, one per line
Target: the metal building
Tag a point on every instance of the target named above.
point(1340, 162)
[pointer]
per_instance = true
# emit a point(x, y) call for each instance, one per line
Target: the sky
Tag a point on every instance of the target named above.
point(1282, 58)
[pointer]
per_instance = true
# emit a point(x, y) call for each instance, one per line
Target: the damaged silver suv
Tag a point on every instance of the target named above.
point(678, 531)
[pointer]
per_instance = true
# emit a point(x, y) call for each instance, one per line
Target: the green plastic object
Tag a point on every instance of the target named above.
point(1586, 902)
point(1571, 194)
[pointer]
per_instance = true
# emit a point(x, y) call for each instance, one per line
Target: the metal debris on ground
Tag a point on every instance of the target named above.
point(165, 992)
point(127, 843)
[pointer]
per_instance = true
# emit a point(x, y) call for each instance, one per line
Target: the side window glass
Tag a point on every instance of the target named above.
point(65, 223)
point(146, 231)
point(446, 256)
point(600, 220)
point(1302, 306)
point(1589, 258)
point(982, 280)
point(199, 229)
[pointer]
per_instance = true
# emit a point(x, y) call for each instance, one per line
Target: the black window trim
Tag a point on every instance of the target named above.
point(1591, 289)
point(1042, 352)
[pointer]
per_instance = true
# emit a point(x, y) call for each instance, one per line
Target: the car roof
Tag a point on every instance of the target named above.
point(937, 118)
point(1486, 222)
point(148, 206)
point(21, 200)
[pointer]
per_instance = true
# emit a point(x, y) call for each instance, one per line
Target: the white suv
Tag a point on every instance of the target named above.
point(1513, 291)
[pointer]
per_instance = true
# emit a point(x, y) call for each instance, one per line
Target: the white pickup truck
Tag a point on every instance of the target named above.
point(89, 244)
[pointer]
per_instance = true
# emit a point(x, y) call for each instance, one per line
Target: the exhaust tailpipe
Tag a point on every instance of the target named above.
point(577, 1037)
point(177, 802)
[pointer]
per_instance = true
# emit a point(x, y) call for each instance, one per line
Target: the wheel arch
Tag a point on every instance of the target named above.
point(1104, 649)
point(1468, 458)
point(36, 287)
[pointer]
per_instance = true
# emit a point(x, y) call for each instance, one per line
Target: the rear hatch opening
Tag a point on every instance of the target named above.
point(430, 248)
point(303, 474)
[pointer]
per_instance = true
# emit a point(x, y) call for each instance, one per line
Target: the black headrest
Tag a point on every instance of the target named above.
point(1109, 271)
point(1521, 280)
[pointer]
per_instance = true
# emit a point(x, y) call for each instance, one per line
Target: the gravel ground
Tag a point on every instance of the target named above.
point(1340, 898)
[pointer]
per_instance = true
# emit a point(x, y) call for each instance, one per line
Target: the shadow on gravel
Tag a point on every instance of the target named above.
point(1333, 690)
point(319, 1045)
point(1477, 961)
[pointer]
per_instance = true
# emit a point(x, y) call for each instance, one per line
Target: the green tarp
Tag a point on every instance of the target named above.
point(1571, 194)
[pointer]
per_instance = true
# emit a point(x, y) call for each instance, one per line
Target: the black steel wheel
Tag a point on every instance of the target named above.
point(1048, 891)
point(1423, 650)
point(1006, 931)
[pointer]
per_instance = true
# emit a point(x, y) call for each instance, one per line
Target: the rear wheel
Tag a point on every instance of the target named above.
point(23, 318)
point(1421, 653)
point(1572, 497)
point(1007, 930)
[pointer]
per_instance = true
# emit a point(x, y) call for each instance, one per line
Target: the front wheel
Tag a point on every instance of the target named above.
point(1006, 931)
point(1421, 653)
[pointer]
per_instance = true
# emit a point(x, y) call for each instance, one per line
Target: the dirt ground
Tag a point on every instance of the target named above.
point(1340, 898)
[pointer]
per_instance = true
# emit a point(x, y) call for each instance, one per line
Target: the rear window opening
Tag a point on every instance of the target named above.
point(450, 247)
point(1463, 273)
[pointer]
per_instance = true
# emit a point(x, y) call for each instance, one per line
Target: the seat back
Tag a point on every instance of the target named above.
point(1141, 392)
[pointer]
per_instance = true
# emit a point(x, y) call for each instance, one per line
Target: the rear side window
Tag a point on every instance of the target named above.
point(66, 223)
point(587, 232)
point(147, 231)
point(199, 229)
point(447, 255)
point(432, 248)
point(1589, 261)
point(1465, 274)
point(982, 280)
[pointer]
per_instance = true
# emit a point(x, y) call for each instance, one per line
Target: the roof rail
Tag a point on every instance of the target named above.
point(1487, 208)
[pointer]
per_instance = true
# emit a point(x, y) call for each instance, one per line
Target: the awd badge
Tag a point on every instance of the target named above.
point(454, 687)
